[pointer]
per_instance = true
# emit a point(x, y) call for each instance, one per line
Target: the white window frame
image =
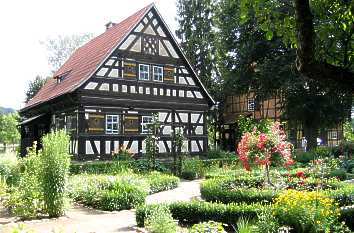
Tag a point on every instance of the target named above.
point(116, 121)
point(333, 135)
point(145, 72)
point(160, 75)
point(144, 128)
point(251, 104)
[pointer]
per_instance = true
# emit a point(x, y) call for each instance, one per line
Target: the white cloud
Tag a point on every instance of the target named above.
point(24, 23)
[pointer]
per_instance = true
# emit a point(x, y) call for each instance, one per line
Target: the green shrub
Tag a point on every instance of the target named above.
point(55, 162)
point(267, 222)
point(193, 212)
point(347, 148)
point(304, 157)
point(343, 195)
point(219, 154)
point(215, 191)
point(109, 192)
point(341, 174)
point(160, 221)
point(347, 216)
point(192, 168)
point(208, 227)
point(9, 168)
point(101, 167)
point(142, 165)
point(26, 200)
point(322, 152)
point(122, 195)
point(160, 182)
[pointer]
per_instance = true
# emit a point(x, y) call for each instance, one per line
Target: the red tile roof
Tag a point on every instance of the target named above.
point(85, 60)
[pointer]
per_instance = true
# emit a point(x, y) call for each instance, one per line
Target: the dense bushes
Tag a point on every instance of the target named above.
point(26, 199)
point(100, 167)
point(41, 189)
point(9, 168)
point(108, 192)
point(305, 211)
point(160, 220)
point(55, 162)
point(246, 195)
point(192, 168)
point(219, 154)
point(198, 211)
point(161, 182)
point(123, 191)
point(347, 215)
point(241, 189)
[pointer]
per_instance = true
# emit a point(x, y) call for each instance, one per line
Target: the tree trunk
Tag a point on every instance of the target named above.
point(311, 135)
point(306, 62)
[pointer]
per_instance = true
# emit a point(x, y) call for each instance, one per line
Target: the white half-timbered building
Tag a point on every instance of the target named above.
point(105, 94)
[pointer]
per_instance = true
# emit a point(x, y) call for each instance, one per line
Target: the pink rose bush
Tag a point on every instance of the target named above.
point(261, 147)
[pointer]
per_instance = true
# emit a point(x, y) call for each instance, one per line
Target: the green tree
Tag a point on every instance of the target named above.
point(60, 48)
point(197, 35)
point(9, 133)
point(322, 33)
point(34, 86)
point(251, 59)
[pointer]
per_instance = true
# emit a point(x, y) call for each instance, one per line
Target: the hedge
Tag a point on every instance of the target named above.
point(161, 182)
point(235, 191)
point(193, 212)
point(347, 216)
point(100, 167)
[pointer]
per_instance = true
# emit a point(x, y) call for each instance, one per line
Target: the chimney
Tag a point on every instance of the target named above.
point(109, 25)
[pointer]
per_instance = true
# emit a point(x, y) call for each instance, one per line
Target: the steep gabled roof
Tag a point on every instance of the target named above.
point(83, 62)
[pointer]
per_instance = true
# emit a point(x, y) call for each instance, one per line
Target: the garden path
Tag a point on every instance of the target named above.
point(85, 220)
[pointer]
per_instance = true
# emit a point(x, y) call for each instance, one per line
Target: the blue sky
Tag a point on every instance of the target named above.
point(24, 24)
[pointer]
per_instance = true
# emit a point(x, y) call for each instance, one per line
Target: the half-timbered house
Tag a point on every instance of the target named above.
point(249, 105)
point(105, 94)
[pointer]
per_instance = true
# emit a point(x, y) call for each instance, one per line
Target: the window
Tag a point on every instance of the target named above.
point(145, 121)
point(333, 135)
point(112, 124)
point(143, 72)
point(250, 105)
point(157, 73)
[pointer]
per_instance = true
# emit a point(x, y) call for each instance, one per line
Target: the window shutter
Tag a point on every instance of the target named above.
point(131, 124)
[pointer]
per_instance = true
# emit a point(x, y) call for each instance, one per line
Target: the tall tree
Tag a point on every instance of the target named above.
point(322, 33)
point(34, 86)
point(60, 48)
point(197, 35)
point(251, 59)
point(9, 133)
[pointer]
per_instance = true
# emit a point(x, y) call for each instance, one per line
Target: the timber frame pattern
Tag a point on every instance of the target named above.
point(144, 73)
point(249, 105)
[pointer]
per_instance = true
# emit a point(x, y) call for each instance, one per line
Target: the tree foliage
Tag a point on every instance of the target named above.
point(60, 48)
point(34, 86)
point(9, 133)
point(197, 35)
point(250, 59)
point(320, 30)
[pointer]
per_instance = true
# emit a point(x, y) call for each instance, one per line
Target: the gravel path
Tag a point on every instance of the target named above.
point(84, 220)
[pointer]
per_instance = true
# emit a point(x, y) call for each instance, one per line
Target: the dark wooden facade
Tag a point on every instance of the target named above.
point(248, 105)
point(145, 74)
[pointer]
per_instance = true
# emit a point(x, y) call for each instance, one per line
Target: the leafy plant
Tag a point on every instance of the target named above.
point(123, 154)
point(152, 142)
point(244, 226)
point(160, 182)
point(26, 200)
point(306, 211)
point(192, 168)
point(9, 168)
point(55, 162)
point(160, 221)
point(208, 227)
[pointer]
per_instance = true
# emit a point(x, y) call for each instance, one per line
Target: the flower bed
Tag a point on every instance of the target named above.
point(124, 191)
point(193, 212)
